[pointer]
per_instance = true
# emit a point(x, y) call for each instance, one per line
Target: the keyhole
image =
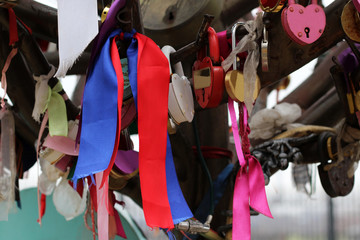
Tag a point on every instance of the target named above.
point(307, 31)
point(203, 94)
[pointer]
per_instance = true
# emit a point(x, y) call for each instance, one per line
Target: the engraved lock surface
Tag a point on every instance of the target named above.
point(264, 51)
point(350, 21)
point(208, 75)
point(304, 25)
point(271, 5)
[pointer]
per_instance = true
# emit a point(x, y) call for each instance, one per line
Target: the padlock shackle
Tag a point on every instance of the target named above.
point(167, 50)
point(233, 39)
point(214, 50)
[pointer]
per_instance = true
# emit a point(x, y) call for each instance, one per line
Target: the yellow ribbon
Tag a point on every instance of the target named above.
point(58, 124)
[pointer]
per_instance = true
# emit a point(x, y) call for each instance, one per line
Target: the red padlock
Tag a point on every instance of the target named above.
point(208, 75)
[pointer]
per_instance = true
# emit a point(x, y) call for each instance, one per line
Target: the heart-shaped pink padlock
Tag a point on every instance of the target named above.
point(304, 25)
point(357, 4)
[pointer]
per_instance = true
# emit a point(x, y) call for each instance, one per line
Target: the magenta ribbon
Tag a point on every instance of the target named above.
point(249, 184)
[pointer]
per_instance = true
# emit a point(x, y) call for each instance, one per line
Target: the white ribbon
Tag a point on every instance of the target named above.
point(248, 43)
point(7, 164)
point(42, 93)
point(77, 26)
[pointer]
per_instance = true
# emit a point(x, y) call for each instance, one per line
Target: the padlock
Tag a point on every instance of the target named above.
point(265, 51)
point(334, 177)
point(271, 5)
point(234, 79)
point(304, 25)
point(208, 75)
point(350, 21)
point(181, 103)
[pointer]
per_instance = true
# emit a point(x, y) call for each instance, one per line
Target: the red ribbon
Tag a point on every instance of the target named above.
point(115, 57)
point(249, 184)
point(153, 89)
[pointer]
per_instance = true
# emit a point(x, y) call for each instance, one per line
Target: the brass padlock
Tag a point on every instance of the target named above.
point(234, 80)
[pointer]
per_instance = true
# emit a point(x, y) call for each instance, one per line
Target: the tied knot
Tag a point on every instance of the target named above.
point(42, 93)
point(45, 77)
point(250, 26)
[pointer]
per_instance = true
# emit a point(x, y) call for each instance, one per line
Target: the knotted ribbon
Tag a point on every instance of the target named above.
point(42, 93)
point(248, 43)
point(163, 202)
point(13, 39)
point(249, 184)
point(47, 98)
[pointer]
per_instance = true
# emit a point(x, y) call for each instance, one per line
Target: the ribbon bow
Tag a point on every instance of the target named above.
point(248, 43)
point(249, 183)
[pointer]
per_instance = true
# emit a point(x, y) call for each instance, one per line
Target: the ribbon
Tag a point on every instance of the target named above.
point(120, 89)
point(179, 209)
point(248, 43)
point(58, 124)
point(43, 206)
point(13, 32)
point(7, 164)
point(102, 204)
point(42, 93)
point(13, 39)
point(105, 29)
point(249, 184)
point(64, 144)
point(77, 19)
point(163, 202)
point(3, 74)
point(99, 116)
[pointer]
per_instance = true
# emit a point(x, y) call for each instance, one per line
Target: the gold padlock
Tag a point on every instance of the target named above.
point(234, 80)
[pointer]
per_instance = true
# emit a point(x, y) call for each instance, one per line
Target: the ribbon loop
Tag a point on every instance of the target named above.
point(249, 184)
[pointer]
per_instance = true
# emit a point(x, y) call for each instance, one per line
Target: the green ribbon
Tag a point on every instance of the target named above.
point(58, 124)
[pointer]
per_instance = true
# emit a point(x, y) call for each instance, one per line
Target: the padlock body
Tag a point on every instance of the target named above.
point(210, 95)
point(304, 25)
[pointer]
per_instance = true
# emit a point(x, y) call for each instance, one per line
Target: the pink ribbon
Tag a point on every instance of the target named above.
point(62, 144)
point(249, 184)
point(3, 73)
point(102, 206)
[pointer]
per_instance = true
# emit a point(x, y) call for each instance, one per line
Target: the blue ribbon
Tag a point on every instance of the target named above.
point(180, 211)
point(99, 115)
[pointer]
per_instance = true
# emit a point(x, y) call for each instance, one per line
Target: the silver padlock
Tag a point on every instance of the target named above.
point(265, 51)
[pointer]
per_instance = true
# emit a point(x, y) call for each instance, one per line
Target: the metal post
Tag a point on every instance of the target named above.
point(331, 220)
